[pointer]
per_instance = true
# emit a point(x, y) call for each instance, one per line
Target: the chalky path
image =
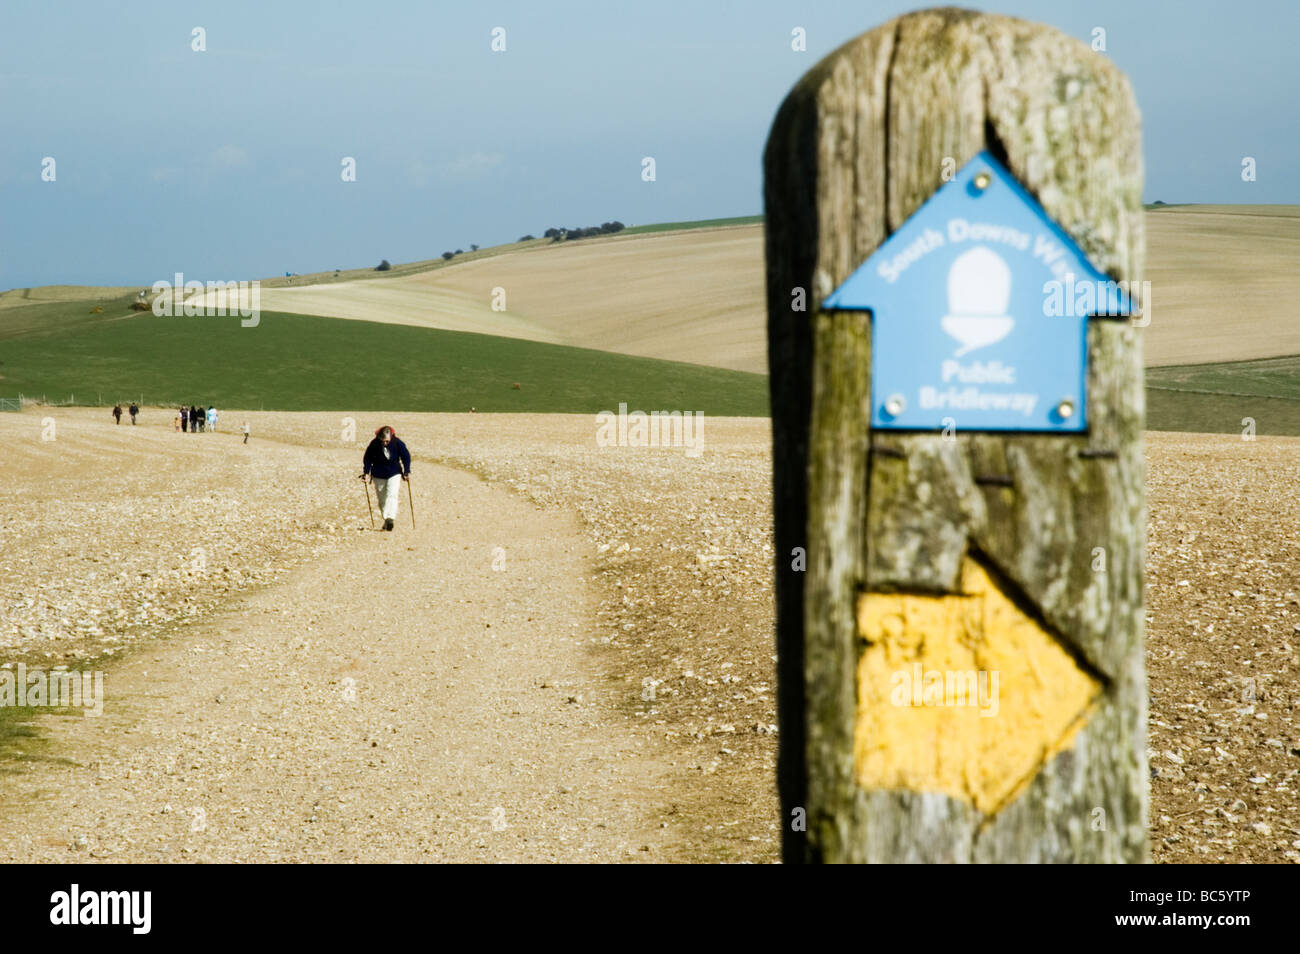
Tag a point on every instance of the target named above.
point(396, 699)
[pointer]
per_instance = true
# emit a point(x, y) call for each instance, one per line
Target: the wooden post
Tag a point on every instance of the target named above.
point(910, 536)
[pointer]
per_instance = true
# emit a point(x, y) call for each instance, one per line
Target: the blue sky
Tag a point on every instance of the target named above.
point(225, 164)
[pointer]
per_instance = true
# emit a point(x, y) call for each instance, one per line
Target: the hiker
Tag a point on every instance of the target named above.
point(185, 419)
point(196, 419)
point(212, 419)
point(176, 422)
point(245, 432)
point(117, 414)
point(386, 464)
point(133, 410)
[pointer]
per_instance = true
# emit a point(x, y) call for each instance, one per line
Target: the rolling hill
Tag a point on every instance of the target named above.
point(302, 362)
point(1224, 288)
point(693, 295)
point(1225, 324)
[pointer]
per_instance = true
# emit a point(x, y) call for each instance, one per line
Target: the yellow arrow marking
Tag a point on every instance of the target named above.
point(962, 694)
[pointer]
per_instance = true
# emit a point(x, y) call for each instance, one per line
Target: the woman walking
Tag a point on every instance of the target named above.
point(387, 463)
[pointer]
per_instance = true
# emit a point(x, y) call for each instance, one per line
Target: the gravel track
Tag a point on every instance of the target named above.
point(396, 699)
point(610, 689)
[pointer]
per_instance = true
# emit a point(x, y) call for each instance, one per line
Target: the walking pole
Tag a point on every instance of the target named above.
point(410, 498)
point(366, 484)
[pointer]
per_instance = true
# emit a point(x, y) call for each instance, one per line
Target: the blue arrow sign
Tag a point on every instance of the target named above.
point(980, 304)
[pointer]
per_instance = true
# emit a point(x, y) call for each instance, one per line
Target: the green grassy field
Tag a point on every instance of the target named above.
point(1265, 377)
point(699, 224)
point(1214, 398)
point(302, 363)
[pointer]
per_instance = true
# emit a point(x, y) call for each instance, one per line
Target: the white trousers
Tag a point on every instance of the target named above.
point(389, 492)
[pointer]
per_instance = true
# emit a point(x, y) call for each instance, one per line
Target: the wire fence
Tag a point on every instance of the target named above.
point(23, 400)
point(41, 400)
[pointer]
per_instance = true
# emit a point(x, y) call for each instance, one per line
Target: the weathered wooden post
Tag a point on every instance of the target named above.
point(961, 662)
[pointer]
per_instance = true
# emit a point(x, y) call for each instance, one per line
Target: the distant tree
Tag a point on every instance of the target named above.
point(526, 238)
point(562, 234)
point(448, 256)
point(1157, 202)
point(460, 251)
point(473, 248)
point(383, 266)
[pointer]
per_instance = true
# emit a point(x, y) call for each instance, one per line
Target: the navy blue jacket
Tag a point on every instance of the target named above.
point(378, 466)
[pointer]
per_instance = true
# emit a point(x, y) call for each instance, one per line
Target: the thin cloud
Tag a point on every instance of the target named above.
point(229, 157)
point(475, 165)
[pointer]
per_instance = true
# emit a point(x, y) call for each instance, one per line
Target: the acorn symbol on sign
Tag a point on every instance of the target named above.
point(979, 288)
